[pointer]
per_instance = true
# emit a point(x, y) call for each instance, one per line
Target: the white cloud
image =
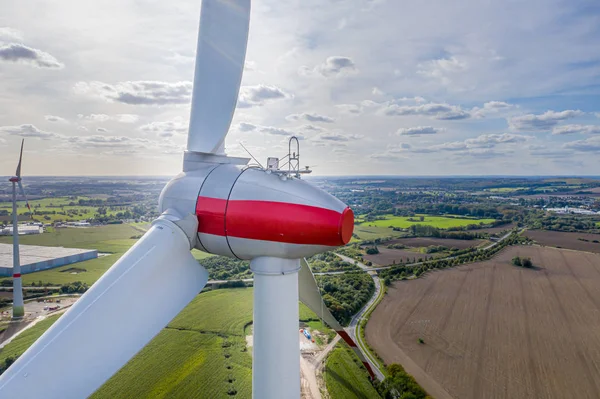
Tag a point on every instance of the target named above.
point(166, 128)
point(20, 53)
point(545, 121)
point(54, 118)
point(250, 127)
point(126, 118)
point(439, 111)
point(576, 129)
point(491, 140)
point(351, 109)
point(9, 34)
point(588, 145)
point(28, 130)
point(377, 91)
point(311, 117)
point(442, 69)
point(122, 118)
point(492, 108)
point(417, 131)
point(138, 92)
point(258, 95)
point(245, 127)
point(335, 66)
point(337, 137)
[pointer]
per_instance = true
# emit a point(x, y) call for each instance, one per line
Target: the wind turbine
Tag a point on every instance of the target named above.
point(18, 306)
point(217, 204)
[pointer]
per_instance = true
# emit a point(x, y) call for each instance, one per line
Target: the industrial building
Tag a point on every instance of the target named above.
point(35, 258)
point(24, 229)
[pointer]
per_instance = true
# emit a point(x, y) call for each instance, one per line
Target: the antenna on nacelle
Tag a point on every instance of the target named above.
point(293, 161)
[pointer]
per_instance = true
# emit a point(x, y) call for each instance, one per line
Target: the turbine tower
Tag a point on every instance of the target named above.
point(217, 204)
point(18, 305)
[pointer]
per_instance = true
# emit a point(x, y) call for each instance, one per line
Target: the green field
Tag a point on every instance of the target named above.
point(504, 189)
point(202, 354)
point(61, 208)
point(25, 339)
point(346, 377)
point(103, 238)
point(441, 222)
point(365, 231)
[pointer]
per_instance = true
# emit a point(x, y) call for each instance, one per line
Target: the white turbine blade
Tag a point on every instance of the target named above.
point(220, 59)
point(117, 317)
point(25, 196)
point(18, 173)
point(309, 294)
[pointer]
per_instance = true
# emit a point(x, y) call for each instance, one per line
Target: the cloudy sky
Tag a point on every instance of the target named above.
point(430, 87)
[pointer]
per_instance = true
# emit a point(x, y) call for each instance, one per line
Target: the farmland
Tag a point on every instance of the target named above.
point(577, 241)
point(494, 330)
point(60, 208)
point(365, 232)
point(388, 256)
point(346, 378)
point(441, 222)
point(417, 248)
point(429, 241)
point(201, 354)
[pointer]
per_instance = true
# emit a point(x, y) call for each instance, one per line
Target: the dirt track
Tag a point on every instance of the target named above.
point(493, 330)
point(566, 240)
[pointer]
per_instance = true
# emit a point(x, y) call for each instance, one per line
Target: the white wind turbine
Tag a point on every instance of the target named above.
point(216, 204)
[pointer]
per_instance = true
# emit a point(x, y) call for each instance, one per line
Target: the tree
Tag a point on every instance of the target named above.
point(372, 250)
point(517, 261)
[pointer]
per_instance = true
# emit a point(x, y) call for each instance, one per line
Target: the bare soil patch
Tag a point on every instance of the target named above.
point(429, 241)
point(566, 240)
point(388, 256)
point(493, 330)
point(74, 270)
point(494, 230)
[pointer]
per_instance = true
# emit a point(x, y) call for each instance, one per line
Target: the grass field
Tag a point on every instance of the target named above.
point(441, 222)
point(26, 338)
point(366, 232)
point(60, 205)
point(494, 330)
point(103, 238)
point(201, 354)
point(346, 377)
point(504, 189)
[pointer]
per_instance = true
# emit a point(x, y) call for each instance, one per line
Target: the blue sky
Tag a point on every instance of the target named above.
point(372, 86)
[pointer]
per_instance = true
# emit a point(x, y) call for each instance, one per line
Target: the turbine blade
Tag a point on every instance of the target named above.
point(309, 294)
point(108, 325)
point(18, 173)
point(24, 196)
point(220, 57)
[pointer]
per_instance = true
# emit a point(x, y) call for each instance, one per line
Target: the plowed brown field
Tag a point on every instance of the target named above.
point(428, 241)
point(566, 240)
point(388, 256)
point(493, 330)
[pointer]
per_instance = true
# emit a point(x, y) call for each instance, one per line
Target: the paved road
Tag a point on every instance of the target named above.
point(352, 328)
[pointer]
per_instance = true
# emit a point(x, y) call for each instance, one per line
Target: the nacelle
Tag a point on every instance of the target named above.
point(248, 213)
